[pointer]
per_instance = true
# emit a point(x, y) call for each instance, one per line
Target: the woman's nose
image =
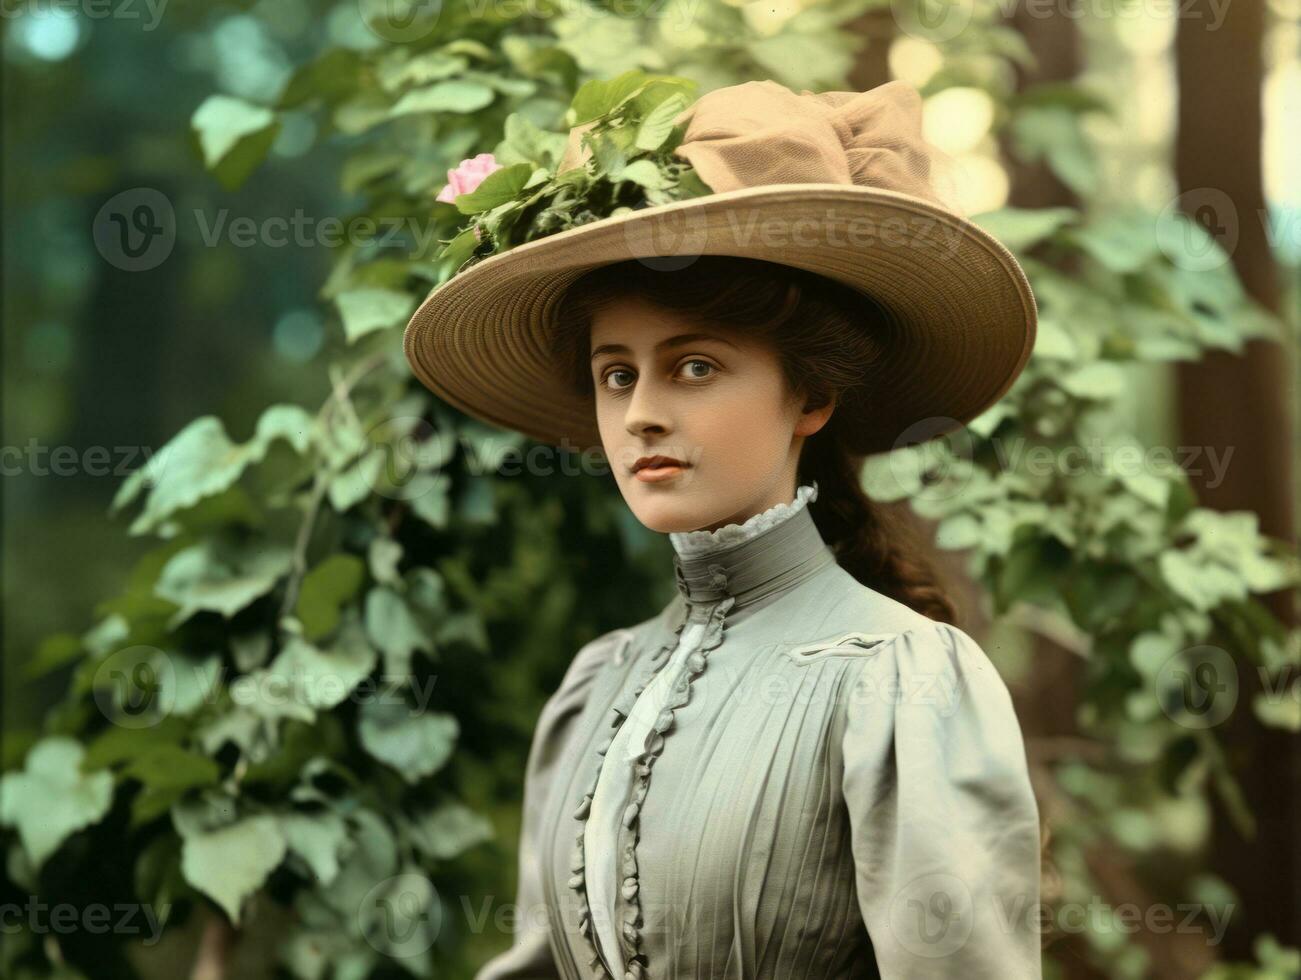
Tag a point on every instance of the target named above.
point(647, 408)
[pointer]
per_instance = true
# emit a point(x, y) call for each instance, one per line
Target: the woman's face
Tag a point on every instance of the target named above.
point(711, 397)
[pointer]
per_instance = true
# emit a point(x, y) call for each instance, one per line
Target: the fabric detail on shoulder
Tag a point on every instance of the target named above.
point(852, 644)
point(593, 655)
point(944, 822)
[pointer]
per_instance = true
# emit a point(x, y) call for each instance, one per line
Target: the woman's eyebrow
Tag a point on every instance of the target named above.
point(677, 341)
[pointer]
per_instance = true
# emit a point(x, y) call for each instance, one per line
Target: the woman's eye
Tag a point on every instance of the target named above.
point(693, 368)
point(609, 378)
point(705, 364)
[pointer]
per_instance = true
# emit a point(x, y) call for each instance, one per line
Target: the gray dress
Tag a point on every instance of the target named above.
point(836, 787)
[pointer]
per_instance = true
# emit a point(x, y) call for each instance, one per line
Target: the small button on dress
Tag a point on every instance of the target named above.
point(783, 774)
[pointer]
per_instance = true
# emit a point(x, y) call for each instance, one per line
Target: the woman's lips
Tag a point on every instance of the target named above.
point(657, 474)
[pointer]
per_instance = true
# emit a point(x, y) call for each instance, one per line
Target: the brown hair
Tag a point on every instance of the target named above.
point(823, 333)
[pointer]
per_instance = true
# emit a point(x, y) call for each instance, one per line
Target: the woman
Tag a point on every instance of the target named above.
point(800, 767)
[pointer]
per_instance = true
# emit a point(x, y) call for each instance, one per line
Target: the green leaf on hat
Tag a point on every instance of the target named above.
point(598, 97)
point(645, 174)
point(658, 124)
point(499, 187)
point(525, 142)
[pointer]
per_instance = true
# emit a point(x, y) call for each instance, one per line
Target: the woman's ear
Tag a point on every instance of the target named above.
point(814, 418)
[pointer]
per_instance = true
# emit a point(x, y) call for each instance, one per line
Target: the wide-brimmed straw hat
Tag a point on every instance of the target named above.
point(839, 183)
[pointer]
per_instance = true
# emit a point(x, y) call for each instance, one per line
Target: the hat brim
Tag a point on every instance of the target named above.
point(962, 314)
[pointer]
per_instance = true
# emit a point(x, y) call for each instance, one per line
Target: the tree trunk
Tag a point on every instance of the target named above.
point(1242, 404)
point(215, 944)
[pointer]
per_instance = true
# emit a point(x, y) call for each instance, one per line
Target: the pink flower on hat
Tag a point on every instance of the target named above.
point(467, 175)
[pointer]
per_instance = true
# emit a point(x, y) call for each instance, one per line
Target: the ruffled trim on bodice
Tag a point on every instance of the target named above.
point(630, 939)
point(697, 544)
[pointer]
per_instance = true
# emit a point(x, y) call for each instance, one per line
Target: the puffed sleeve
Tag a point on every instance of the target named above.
point(945, 827)
point(529, 956)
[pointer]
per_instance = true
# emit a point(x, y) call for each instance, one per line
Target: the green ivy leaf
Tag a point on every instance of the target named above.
point(51, 798)
point(430, 66)
point(1097, 381)
point(318, 839)
point(1201, 584)
point(1283, 711)
point(1122, 240)
point(200, 461)
point(449, 831)
point(234, 137)
point(224, 579)
point(1053, 133)
point(394, 628)
point(383, 555)
point(358, 481)
point(230, 864)
point(450, 96)
point(166, 772)
point(415, 743)
point(1021, 228)
point(325, 588)
point(320, 679)
point(366, 310)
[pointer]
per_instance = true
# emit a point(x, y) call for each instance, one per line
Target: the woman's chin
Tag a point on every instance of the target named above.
point(664, 510)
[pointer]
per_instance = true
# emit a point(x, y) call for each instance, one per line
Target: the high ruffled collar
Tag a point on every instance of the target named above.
point(694, 542)
point(770, 552)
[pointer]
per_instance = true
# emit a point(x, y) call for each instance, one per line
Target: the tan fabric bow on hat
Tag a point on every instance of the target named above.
point(761, 132)
point(842, 184)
